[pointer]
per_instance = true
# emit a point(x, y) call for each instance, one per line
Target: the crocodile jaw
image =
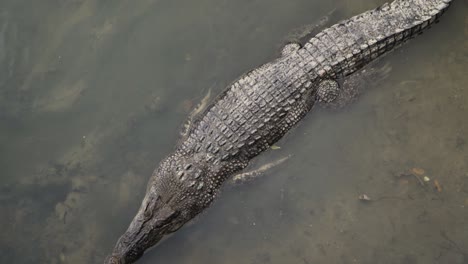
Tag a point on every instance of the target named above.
point(154, 220)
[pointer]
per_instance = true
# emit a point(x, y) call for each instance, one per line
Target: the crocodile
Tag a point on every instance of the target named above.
point(257, 109)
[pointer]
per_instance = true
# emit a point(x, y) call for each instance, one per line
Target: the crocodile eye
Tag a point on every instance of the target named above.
point(188, 167)
point(180, 174)
point(147, 213)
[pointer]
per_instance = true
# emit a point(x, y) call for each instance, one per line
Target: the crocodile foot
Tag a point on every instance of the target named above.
point(336, 97)
point(328, 91)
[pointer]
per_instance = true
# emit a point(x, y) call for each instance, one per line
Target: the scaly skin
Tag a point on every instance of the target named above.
point(257, 110)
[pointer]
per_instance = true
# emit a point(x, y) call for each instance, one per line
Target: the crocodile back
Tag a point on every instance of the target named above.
point(257, 109)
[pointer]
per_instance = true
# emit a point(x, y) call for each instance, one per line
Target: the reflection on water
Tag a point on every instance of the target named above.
point(92, 94)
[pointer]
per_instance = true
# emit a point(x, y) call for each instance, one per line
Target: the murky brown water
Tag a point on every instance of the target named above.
point(93, 93)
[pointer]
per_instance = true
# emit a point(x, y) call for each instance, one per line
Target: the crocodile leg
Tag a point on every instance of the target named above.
point(195, 112)
point(251, 175)
point(335, 96)
point(290, 48)
point(328, 91)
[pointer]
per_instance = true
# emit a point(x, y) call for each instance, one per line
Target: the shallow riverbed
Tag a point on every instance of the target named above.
point(93, 94)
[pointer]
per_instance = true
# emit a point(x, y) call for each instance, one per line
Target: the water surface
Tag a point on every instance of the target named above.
point(93, 94)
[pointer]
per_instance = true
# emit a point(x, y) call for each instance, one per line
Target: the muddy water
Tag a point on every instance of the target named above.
point(93, 93)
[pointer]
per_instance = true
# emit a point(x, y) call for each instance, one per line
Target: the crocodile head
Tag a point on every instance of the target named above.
point(178, 190)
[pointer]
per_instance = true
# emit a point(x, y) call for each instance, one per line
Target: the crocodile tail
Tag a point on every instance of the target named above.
point(355, 42)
